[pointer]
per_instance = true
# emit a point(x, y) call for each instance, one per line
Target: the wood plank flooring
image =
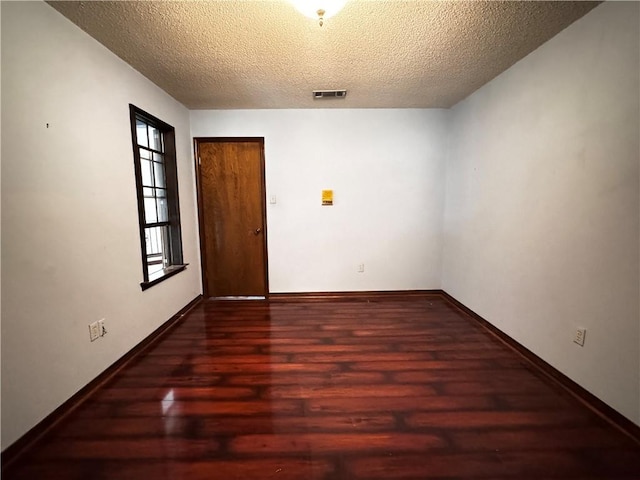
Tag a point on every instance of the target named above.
point(384, 389)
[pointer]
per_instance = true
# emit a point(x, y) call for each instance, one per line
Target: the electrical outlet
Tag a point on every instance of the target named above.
point(579, 338)
point(361, 268)
point(94, 331)
point(101, 330)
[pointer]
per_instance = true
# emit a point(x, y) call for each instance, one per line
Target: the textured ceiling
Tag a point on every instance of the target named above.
point(264, 54)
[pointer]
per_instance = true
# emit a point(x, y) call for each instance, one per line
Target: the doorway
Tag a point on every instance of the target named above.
point(231, 211)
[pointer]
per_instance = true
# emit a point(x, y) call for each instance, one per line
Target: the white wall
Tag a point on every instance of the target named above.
point(386, 169)
point(71, 249)
point(542, 215)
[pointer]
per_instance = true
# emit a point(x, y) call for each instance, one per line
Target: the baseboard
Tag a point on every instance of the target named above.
point(16, 449)
point(585, 397)
point(369, 295)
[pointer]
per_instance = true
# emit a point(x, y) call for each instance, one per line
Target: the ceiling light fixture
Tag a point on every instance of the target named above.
point(319, 9)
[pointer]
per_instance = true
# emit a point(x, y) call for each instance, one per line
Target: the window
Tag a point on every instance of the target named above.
point(154, 153)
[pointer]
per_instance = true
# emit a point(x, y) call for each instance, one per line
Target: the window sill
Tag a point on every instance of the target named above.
point(167, 273)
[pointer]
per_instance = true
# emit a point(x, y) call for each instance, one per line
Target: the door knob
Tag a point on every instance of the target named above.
point(257, 231)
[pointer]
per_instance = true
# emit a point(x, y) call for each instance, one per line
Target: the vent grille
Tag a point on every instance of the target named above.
point(318, 94)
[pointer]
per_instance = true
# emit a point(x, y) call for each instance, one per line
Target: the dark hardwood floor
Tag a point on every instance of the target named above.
point(384, 389)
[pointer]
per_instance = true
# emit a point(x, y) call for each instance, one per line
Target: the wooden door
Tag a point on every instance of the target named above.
point(232, 217)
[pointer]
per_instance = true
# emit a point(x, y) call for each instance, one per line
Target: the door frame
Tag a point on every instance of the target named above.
point(263, 192)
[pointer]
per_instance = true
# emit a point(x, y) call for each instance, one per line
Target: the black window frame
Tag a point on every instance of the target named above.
point(172, 259)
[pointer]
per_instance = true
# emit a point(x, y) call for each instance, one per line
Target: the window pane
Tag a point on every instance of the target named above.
point(163, 212)
point(155, 138)
point(159, 174)
point(158, 157)
point(141, 133)
point(156, 245)
point(154, 269)
point(145, 167)
point(150, 214)
point(144, 153)
point(153, 239)
point(148, 192)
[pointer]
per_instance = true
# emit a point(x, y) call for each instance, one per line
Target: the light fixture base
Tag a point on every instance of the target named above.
point(319, 10)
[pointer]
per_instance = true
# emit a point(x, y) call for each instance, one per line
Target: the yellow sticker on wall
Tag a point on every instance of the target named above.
point(327, 197)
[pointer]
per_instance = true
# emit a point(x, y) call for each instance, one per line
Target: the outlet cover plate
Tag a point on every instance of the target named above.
point(94, 331)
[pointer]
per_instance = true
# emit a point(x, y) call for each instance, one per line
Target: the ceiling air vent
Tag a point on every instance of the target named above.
point(318, 94)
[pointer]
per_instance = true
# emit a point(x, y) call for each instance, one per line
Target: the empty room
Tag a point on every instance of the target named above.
point(361, 239)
